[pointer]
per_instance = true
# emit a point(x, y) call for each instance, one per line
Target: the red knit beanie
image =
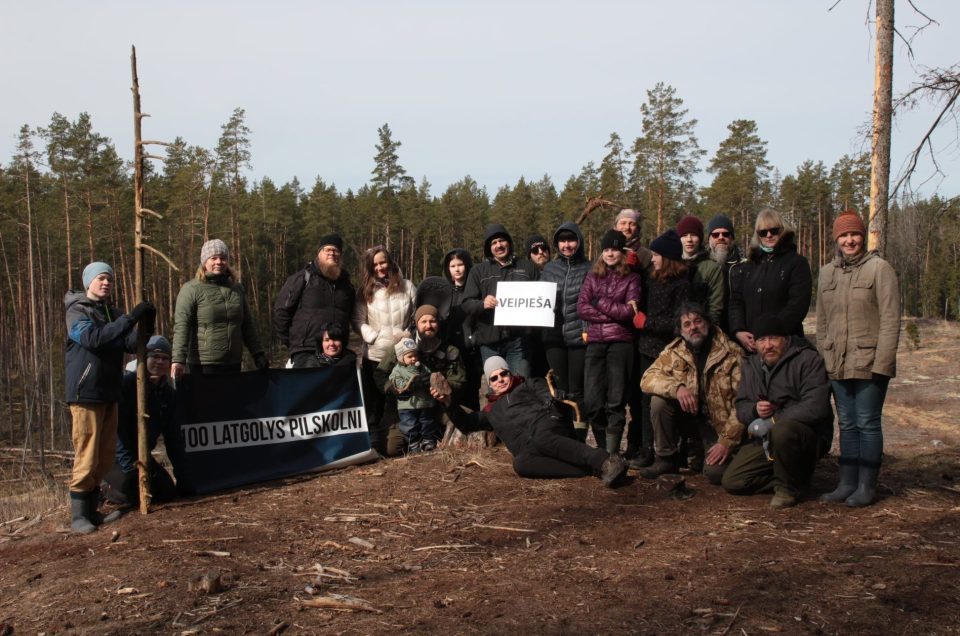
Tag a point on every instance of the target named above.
point(690, 225)
point(848, 221)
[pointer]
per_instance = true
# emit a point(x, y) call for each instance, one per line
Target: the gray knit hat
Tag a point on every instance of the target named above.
point(93, 270)
point(627, 213)
point(403, 347)
point(212, 248)
point(494, 363)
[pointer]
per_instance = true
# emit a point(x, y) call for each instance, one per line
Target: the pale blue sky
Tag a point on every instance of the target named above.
point(491, 89)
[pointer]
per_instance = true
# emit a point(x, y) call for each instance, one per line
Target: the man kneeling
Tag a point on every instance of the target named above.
point(541, 438)
point(694, 384)
point(784, 397)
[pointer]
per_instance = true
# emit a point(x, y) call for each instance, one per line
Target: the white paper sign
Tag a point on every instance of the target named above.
point(525, 304)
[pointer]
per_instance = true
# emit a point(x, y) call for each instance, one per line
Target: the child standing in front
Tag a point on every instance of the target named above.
point(410, 380)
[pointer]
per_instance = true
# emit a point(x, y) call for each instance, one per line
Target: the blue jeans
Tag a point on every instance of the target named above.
point(418, 426)
point(513, 350)
point(859, 405)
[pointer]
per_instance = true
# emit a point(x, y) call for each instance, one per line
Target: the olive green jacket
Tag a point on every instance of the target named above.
point(858, 318)
point(212, 323)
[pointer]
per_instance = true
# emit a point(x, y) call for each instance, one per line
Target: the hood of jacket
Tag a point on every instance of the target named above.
point(787, 243)
point(493, 230)
point(570, 226)
point(463, 255)
point(73, 297)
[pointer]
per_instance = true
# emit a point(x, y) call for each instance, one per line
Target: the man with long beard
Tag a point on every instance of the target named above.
point(318, 294)
point(725, 252)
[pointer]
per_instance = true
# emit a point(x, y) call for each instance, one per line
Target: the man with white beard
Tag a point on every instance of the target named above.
point(725, 252)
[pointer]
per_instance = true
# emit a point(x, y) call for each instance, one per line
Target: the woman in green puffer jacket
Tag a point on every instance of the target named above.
point(212, 322)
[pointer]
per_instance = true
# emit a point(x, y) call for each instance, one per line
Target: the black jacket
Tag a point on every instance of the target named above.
point(458, 327)
point(482, 282)
point(776, 283)
point(568, 274)
point(659, 302)
point(160, 407)
point(97, 337)
point(306, 301)
point(797, 385)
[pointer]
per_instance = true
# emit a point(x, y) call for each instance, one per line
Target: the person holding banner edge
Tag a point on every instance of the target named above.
point(540, 437)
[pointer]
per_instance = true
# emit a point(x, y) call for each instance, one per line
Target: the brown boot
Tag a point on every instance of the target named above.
point(663, 466)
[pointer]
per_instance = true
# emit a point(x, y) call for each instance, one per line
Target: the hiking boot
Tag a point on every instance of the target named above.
point(414, 448)
point(782, 499)
point(663, 466)
point(428, 446)
point(642, 459)
point(614, 467)
point(79, 522)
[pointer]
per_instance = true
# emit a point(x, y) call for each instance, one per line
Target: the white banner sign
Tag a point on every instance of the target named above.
point(525, 304)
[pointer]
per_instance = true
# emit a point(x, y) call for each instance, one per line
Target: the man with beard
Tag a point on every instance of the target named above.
point(317, 295)
point(785, 401)
point(693, 383)
point(448, 379)
point(639, 256)
point(538, 250)
point(726, 253)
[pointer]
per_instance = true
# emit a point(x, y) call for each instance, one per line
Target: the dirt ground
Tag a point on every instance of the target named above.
point(454, 542)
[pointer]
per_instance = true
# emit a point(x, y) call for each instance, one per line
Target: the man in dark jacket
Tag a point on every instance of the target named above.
point(784, 400)
point(541, 438)
point(726, 253)
point(318, 294)
point(121, 485)
point(537, 250)
point(480, 298)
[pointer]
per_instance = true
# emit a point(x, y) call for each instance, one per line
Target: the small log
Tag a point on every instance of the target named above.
point(340, 602)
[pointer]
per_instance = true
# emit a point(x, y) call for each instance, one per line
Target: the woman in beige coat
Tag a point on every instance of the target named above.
point(858, 327)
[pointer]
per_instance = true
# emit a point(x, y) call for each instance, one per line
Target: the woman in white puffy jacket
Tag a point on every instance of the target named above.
point(384, 311)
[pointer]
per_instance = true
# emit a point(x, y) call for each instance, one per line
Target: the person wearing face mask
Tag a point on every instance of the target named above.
point(120, 486)
point(858, 329)
point(564, 343)
point(534, 429)
point(775, 279)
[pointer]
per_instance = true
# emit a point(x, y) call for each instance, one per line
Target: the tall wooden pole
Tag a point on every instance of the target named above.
point(143, 437)
point(882, 119)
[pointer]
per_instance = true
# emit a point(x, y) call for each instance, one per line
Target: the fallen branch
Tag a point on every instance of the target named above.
point(217, 611)
point(448, 546)
point(340, 602)
point(203, 539)
point(504, 528)
point(732, 621)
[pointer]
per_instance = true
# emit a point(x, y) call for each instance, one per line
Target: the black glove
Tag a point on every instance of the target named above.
point(261, 361)
point(138, 312)
point(420, 383)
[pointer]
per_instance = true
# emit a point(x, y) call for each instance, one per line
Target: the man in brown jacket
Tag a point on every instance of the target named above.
point(694, 384)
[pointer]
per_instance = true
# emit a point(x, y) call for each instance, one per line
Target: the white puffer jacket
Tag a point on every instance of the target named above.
point(381, 321)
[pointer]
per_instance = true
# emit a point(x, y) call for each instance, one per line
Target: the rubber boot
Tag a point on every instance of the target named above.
point(866, 492)
point(663, 466)
point(80, 523)
point(849, 472)
point(613, 441)
point(642, 459)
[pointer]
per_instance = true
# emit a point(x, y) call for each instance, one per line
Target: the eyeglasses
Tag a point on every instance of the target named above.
point(773, 231)
point(539, 249)
point(496, 377)
point(720, 234)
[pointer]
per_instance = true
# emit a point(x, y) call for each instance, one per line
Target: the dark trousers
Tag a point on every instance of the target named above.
point(671, 425)
point(568, 369)
point(795, 449)
point(214, 369)
point(305, 360)
point(373, 402)
point(640, 433)
point(123, 489)
point(608, 367)
point(554, 452)
point(469, 395)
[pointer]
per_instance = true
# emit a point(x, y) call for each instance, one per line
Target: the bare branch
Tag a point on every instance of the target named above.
point(146, 156)
point(149, 211)
point(156, 143)
point(161, 255)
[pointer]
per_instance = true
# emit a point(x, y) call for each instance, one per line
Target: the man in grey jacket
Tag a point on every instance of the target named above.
point(784, 400)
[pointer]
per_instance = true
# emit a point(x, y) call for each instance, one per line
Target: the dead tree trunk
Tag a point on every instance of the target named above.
point(882, 119)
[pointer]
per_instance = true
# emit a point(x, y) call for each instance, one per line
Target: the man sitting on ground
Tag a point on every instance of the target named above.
point(534, 429)
point(693, 383)
point(784, 398)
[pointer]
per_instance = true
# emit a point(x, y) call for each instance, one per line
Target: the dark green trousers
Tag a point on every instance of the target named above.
point(795, 450)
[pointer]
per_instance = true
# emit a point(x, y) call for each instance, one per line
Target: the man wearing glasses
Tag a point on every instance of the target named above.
point(540, 437)
point(318, 294)
point(538, 251)
point(726, 253)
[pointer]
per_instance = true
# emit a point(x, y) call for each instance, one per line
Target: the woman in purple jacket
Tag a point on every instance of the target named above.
point(608, 302)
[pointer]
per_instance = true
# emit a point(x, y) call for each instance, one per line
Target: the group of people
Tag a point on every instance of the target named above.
point(692, 352)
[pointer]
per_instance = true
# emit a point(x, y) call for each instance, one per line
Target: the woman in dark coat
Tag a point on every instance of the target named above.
point(667, 287)
point(457, 264)
point(775, 279)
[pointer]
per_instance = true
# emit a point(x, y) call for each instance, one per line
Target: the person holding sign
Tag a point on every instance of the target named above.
point(609, 299)
point(480, 298)
point(534, 429)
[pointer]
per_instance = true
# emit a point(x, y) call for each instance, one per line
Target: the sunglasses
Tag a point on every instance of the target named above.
point(720, 234)
point(496, 377)
point(539, 250)
point(773, 231)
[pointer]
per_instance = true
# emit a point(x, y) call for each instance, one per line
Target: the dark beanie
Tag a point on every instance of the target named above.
point(720, 222)
point(848, 221)
point(331, 239)
point(668, 245)
point(769, 325)
point(690, 225)
point(613, 240)
point(535, 241)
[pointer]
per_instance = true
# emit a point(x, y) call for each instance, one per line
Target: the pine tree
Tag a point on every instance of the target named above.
point(388, 174)
point(739, 187)
point(665, 155)
point(233, 156)
point(613, 181)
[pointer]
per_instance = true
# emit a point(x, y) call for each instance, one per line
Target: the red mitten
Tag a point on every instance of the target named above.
point(632, 259)
point(640, 320)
